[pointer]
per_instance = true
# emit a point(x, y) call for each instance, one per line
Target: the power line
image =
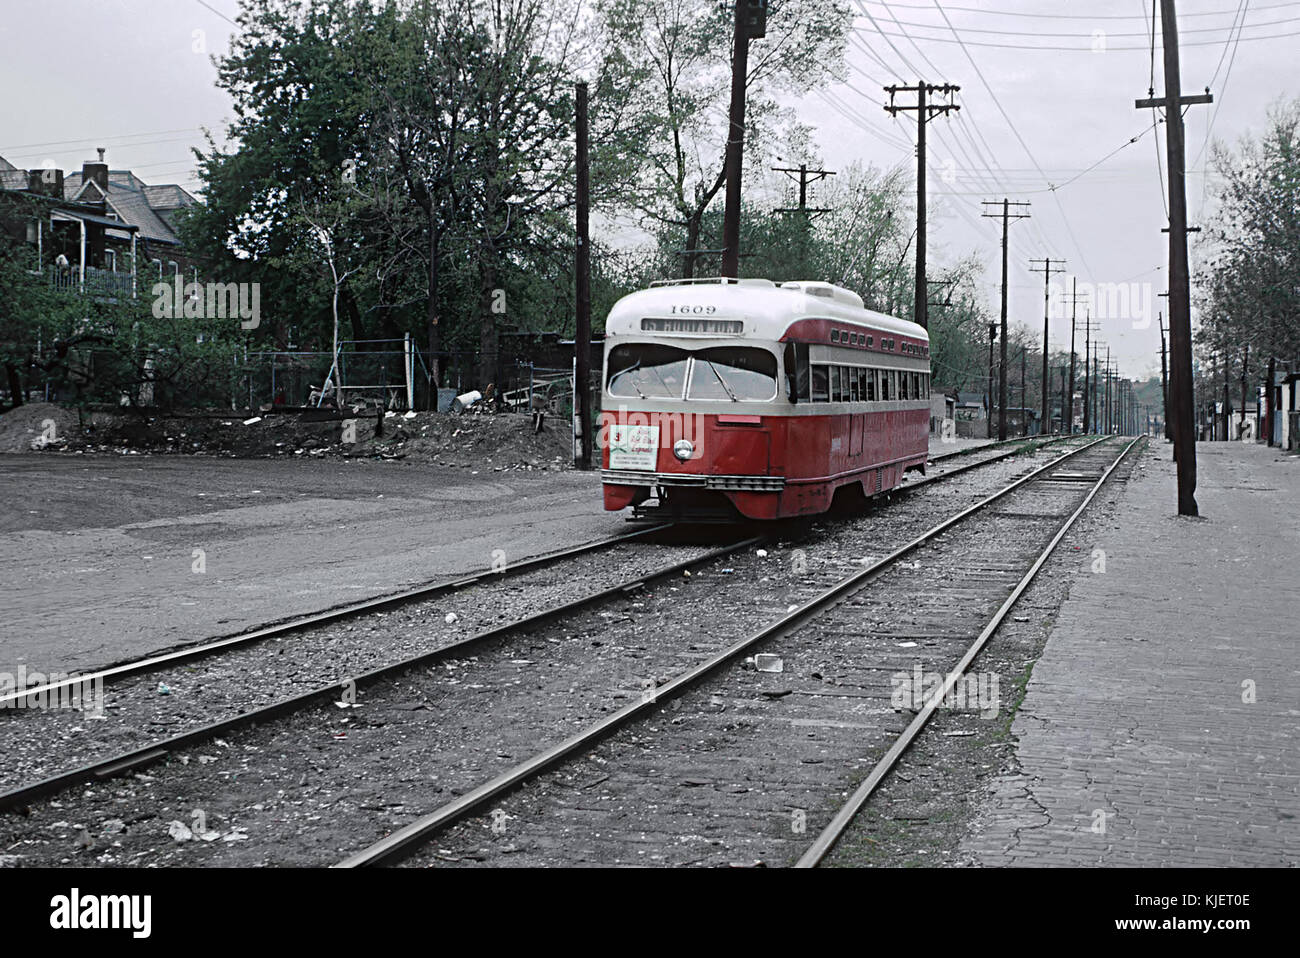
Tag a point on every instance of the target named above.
point(208, 6)
point(1226, 77)
point(1084, 47)
point(1073, 16)
point(1029, 153)
point(1087, 36)
point(104, 140)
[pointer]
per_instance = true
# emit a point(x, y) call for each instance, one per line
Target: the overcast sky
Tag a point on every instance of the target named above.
point(1047, 90)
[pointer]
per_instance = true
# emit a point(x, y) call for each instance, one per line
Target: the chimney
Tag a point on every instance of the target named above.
point(96, 171)
point(46, 182)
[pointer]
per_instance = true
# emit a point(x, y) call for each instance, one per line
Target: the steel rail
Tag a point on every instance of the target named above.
point(845, 816)
point(958, 470)
point(419, 593)
point(154, 751)
point(405, 838)
point(137, 758)
point(337, 614)
point(969, 450)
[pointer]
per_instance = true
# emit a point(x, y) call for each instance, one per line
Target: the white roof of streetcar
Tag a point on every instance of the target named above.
point(766, 309)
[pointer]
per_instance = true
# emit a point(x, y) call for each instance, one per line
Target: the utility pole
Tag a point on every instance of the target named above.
point(805, 176)
point(1062, 420)
point(1089, 412)
point(1074, 312)
point(1245, 363)
point(751, 24)
point(1180, 315)
point(993, 334)
point(1024, 412)
point(1164, 378)
point(924, 111)
point(1006, 216)
point(1105, 419)
point(1047, 272)
point(582, 272)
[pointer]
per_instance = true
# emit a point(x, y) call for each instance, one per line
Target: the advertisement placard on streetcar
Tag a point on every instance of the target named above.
point(633, 446)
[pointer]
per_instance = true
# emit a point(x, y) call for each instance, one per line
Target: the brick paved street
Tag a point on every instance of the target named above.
point(1140, 712)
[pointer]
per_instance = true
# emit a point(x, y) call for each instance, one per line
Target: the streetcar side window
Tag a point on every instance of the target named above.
point(903, 391)
point(820, 384)
point(885, 391)
point(870, 377)
point(855, 388)
point(797, 372)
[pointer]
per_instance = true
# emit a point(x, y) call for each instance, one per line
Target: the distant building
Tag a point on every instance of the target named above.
point(971, 413)
point(100, 229)
point(1023, 422)
point(942, 407)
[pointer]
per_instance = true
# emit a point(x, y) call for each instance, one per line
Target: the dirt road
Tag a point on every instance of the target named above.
point(108, 558)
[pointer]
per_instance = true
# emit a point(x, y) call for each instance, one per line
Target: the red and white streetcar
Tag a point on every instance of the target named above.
point(730, 398)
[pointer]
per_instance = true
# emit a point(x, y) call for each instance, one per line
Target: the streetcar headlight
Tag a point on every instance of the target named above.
point(683, 449)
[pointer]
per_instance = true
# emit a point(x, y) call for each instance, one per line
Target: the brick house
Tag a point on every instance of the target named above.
point(99, 230)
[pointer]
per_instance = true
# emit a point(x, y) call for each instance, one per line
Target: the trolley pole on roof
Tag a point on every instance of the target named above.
point(751, 24)
point(1006, 215)
point(582, 273)
point(924, 110)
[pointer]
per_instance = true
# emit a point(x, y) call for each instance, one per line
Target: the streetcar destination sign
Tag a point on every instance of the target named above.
point(690, 324)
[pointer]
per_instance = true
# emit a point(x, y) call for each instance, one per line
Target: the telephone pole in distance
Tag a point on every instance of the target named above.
point(1006, 215)
point(924, 110)
point(1047, 272)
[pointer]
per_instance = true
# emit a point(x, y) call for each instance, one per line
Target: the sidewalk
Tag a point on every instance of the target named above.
point(1139, 740)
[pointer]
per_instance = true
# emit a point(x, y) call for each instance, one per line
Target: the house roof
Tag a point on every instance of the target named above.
point(168, 197)
point(5, 165)
point(970, 399)
point(134, 208)
point(137, 203)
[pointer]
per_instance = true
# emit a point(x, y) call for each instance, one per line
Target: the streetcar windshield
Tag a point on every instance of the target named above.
point(647, 371)
point(733, 373)
point(720, 374)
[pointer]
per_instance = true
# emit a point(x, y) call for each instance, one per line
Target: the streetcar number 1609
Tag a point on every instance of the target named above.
point(693, 310)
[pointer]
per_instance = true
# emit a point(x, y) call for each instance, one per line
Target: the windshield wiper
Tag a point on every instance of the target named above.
point(722, 381)
point(627, 374)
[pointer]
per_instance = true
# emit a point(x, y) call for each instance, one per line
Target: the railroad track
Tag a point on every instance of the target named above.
point(136, 759)
point(1040, 499)
point(162, 661)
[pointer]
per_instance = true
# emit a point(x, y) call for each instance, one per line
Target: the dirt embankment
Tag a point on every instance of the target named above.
point(471, 440)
